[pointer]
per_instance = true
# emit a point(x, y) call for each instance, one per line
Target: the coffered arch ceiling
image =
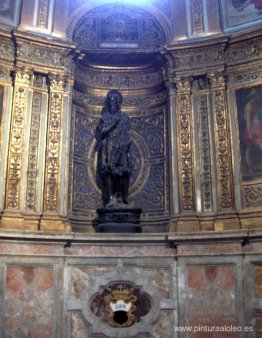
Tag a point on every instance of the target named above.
point(120, 26)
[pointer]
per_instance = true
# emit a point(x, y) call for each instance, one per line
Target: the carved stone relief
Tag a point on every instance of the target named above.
point(252, 196)
point(147, 186)
point(123, 80)
point(184, 120)
point(205, 158)
point(33, 151)
point(43, 13)
point(22, 78)
point(45, 57)
point(199, 58)
point(118, 25)
point(222, 141)
point(7, 49)
point(244, 52)
point(57, 84)
point(197, 16)
point(244, 77)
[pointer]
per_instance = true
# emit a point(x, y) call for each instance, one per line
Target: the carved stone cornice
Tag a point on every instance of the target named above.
point(130, 101)
point(195, 57)
point(44, 55)
point(7, 49)
point(244, 50)
point(123, 79)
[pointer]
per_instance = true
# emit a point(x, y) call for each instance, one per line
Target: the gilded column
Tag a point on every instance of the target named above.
point(52, 220)
point(185, 156)
point(225, 192)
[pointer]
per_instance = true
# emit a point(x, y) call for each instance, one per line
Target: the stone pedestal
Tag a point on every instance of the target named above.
point(118, 218)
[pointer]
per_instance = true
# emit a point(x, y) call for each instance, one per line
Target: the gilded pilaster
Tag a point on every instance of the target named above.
point(226, 199)
point(225, 191)
point(53, 143)
point(34, 177)
point(205, 155)
point(22, 80)
point(185, 140)
point(51, 219)
point(185, 159)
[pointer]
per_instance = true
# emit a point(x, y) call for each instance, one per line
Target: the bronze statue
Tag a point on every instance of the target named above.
point(113, 146)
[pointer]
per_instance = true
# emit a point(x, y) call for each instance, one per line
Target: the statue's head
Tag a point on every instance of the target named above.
point(114, 100)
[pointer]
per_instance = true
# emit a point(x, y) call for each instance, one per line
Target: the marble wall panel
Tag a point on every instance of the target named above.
point(80, 278)
point(211, 298)
point(28, 289)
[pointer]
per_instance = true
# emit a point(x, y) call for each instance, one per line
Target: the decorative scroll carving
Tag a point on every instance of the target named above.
point(244, 77)
point(199, 58)
point(253, 196)
point(4, 74)
point(152, 129)
point(185, 143)
point(16, 141)
point(222, 141)
point(197, 16)
point(147, 185)
point(118, 25)
point(152, 196)
point(244, 52)
point(33, 151)
point(42, 55)
point(118, 80)
point(130, 101)
point(43, 13)
point(205, 158)
point(7, 49)
point(53, 142)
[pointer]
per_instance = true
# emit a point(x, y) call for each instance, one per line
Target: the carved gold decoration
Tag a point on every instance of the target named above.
point(7, 49)
point(247, 51)
point(244, 77)
point(22, 78)
point(197, 16)
point(199, 58)
point(120, 299)
point(44, 55)
point(123, 80)
point(33, 151)
point(185, 145)
point(222, 141)
point(43, 13)
point(252, 196)
point(53, 143)
point(205, 158)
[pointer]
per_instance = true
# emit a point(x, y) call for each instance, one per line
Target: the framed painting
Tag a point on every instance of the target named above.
point(249, 108)
point(241, 12)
